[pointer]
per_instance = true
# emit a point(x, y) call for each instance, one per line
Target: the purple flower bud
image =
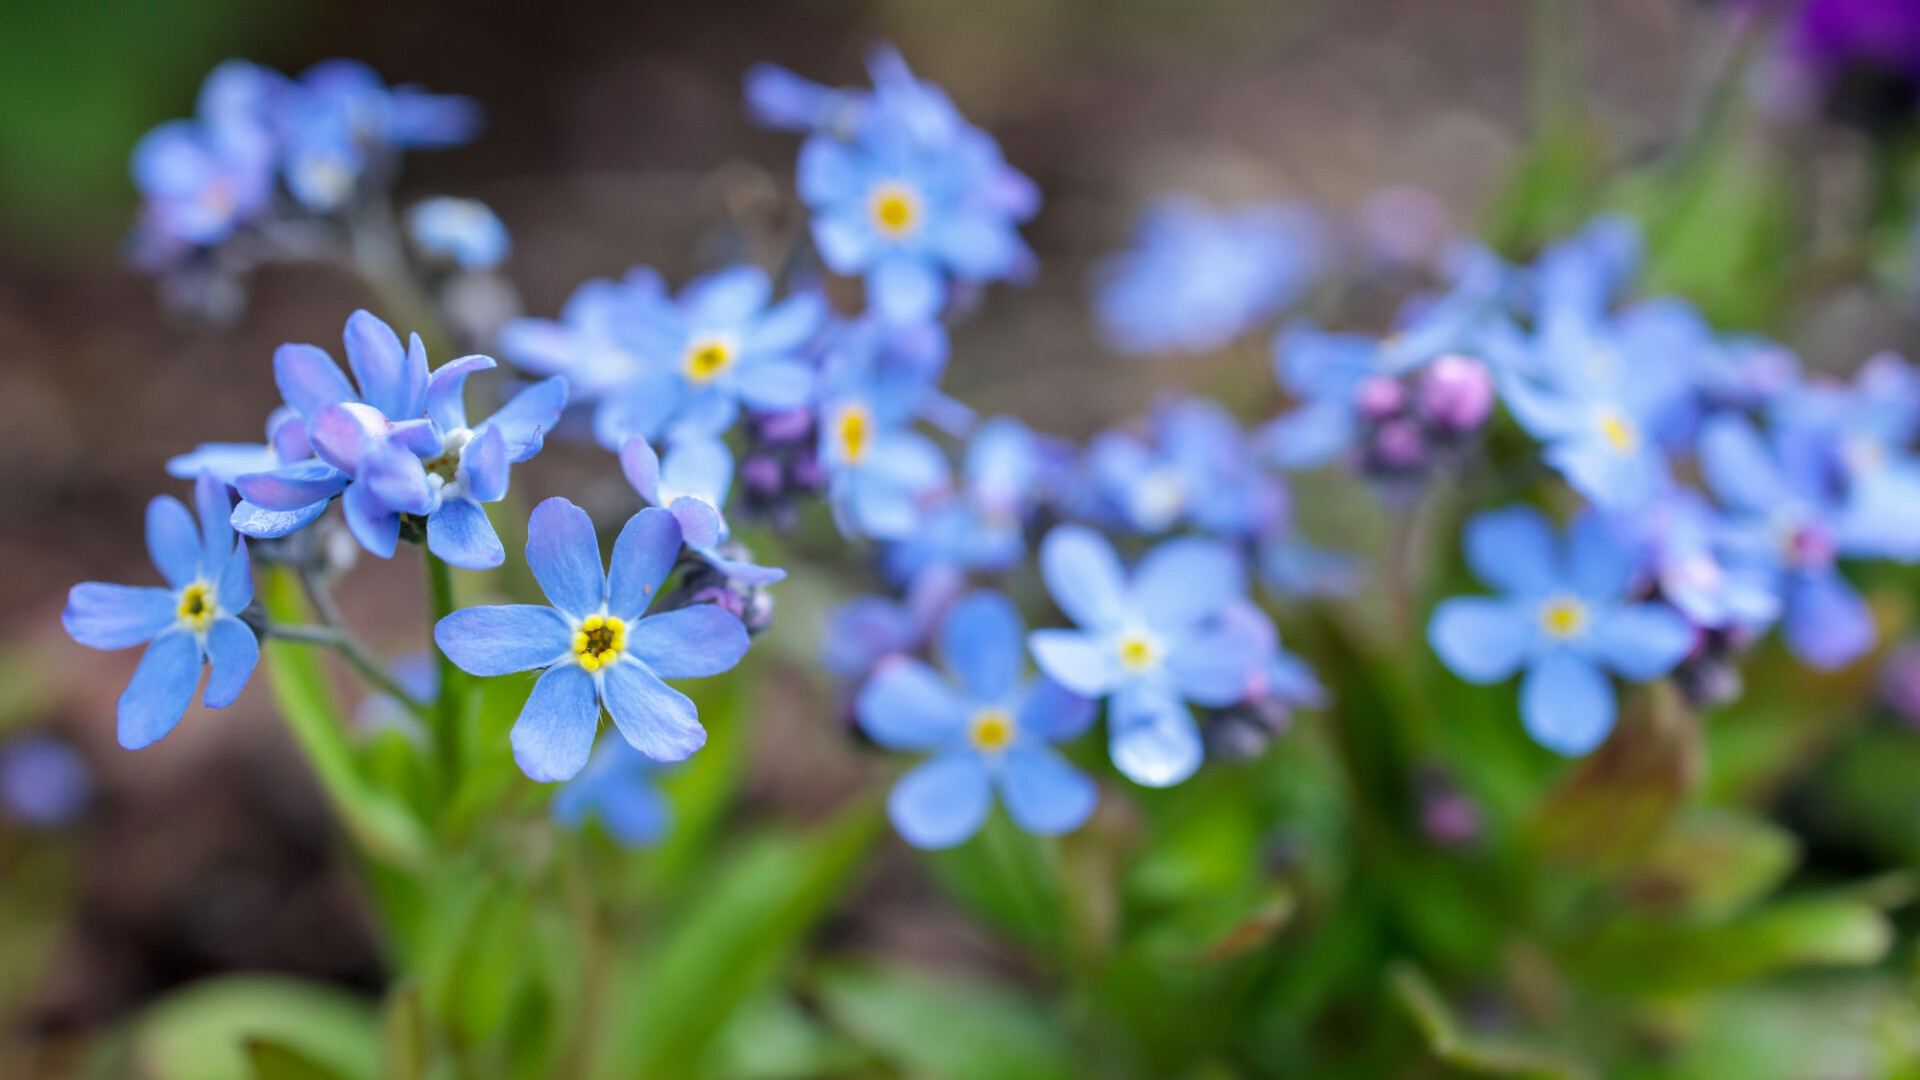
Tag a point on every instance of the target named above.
point(761, 475)
point(789, 426)
point(808, 475)
point(1380, 398)
point(1456, 393)
point(1398, 445)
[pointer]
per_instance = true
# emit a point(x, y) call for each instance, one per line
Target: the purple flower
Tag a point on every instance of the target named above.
point(595, 647)
point(191, 624)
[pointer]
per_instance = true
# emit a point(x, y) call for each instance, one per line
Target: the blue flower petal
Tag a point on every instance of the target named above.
point(1054, 713)
point(486, 465)
point(1152, 737)
point(1075, 661)
point(233, 651)
point(397, 478)
point(564, 555)
point(1482, 639)
point(1512, 549)
point(788, 325)
point(554, 735)
point(1044, 794)
point(503, 639)
point(902, 290)
point(264, 524)
point(309, 380)
point(161, 689)
point(983, 641)
point(1313, 435)
point(103, 616)
point(906, 706)
point(173, 541)
point(1601, 562)
point(1739, 467)
point(292, 487)
point(460, 534)
point(525, 421)
point(725, 298)
point(234, 587)
point(643, 556)
point(1216, 667)
point(1566, 703)
point(392, 379)
point(828, 172)
point(688, 643)
point(1828, 622)
point(1640, 641)
point(642, 468)
point(447, 391)
point(1183, 582)
point(774, 385)
point(941, 802)
point(374, 525)
point(701, 526)
point(228, 461)
point(656, 719)
point(1084, 576)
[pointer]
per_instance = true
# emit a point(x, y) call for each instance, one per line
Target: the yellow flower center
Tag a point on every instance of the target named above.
point(1563, 617)
point(707, 358)
point(1619, 432)
point(991, 731)
point(198, 608)
point(1136, 653)
point(896, 210)
point(599, 641)
point(854, 428)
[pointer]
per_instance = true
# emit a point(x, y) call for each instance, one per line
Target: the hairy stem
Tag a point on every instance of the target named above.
point(364, 662)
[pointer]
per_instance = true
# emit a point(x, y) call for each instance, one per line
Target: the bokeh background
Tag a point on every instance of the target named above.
point(616, 137)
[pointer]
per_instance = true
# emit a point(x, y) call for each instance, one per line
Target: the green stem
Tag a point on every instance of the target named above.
point(452, 679)
point(356, 653)
point(378, 257)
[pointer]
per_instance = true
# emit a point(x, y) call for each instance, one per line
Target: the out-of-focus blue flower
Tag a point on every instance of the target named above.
point(463, 231)
point(619, 789)
point(1197, 471)
point(1866, 432)
point(44, 782)
point(340, 120)
point(1565, 617)
point(401, 445)
point(908, 194)
point(982, 525)
point(691, 483)
point(718, 346)
point(206, 177)
point(418, 674)
point(861, 632)
point(1786, 518)
point(190, 624)
point(594, 344)
point(593, 647)
point(1196, 277)
point(1689, 553)
point(986, 729)
point(1149, 644)
point(881, 474)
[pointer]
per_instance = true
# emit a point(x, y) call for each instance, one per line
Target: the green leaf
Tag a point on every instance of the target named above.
point(405, 1027)
point(667, 1005)
point(275, 1061)
point(1650, 958)
point(1607, 813)
point(773, 1038)
point(1007, 877)
point(943, 1028)
point(1712, 864)
point(1483, 1055)
point(380, 823)
point(205, 1031)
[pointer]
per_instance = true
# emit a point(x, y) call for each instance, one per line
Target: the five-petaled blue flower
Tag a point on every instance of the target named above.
point(464, 231)
point(692, 484)
point(207, 177)
point(1150, 644)
point(193, 622)
point(618, 788)
point(593, 647)
point(714, 348)
point(1566, 618)
point(340, 120)
point(909, 203)
point(991, 730)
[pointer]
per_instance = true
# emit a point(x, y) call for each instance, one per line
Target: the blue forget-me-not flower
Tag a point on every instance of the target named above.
point(1566, 617)
point(1149, 644)
point(619, 789)
point(691, 482)
point(465, 232)
point(987, 729)
point(191, 623)
point(596, 647)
